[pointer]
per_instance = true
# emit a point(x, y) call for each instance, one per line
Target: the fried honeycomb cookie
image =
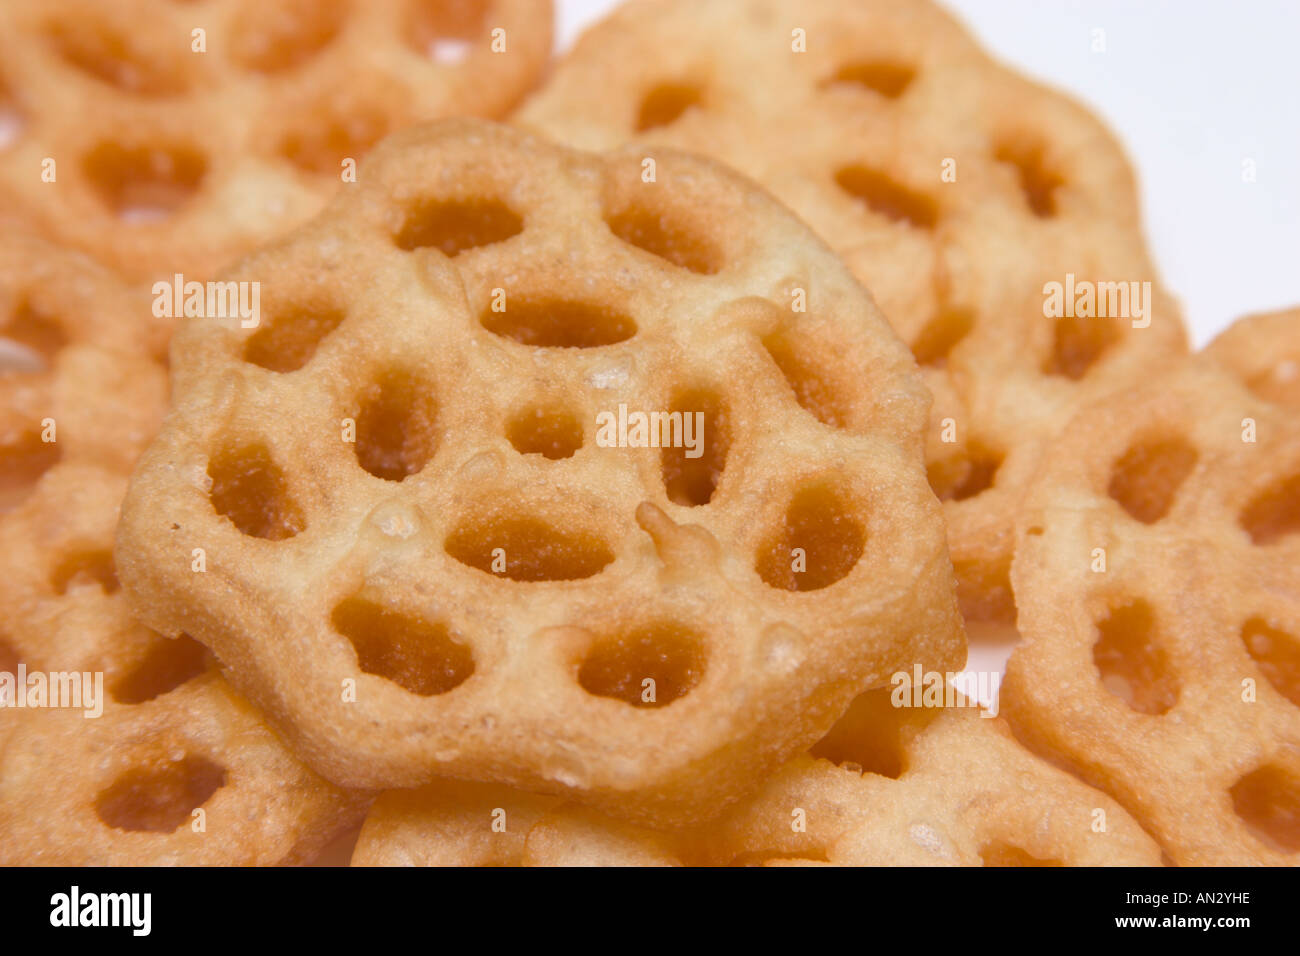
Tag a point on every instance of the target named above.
point(167, 735)
point(1159, 603)
point(79, 398)
point(886, 787)
point(1263, 352)
point(70, 339)
point(173, 158)
point(955, 190)
point(428, 554)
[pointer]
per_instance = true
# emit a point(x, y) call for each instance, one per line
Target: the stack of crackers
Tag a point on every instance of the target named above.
point(418, 452)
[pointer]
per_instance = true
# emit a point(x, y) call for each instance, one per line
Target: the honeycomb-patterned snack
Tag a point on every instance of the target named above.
point(76, 382)
point(1156, 580)
point(954, 189)
point(887, 787)
point(1263, 352)
point(422, 561)
point(169, 159)
point(78, 400)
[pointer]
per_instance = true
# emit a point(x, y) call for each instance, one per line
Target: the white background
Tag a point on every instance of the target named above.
point(1191, 88)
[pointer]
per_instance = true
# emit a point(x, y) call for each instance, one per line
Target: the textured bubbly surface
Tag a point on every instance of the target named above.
point(119, 788)
point(886, 787)
point(171, 159)
point(1156, 579)
point(432, 594)
point(854, 134)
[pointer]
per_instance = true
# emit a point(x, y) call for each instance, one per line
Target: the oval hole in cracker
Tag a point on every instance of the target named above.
point(1038, 182)
point(888, 198)
point(166, 664)
point(249, 489)
point(1003, 853)
point(1078, 343)
point(549, 432)
point(558, 323)
point(1130, 661)
point(808, 376)
point(421, 656)
point(1277, 655)
point(1146, 478)
point(665, 234)
point(283, 36)
point(667, 653)
point(889, 78)
point(452, 226)
point(159, 797)
point(141, 185)
point(445, 32)
point(665, 104)
point(287, 339)
point(692, 481)
point(1274, 512)
point(113, 58)
point(820, 521)
point(396, 425)
point(1268, 802)
point(88, 568)
point(534, 550)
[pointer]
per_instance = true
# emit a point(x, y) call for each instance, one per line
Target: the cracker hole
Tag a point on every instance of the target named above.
point(249, 489)
point(36, 331)
point(1131, 662)
point(559, 323)
point(396, 426)
point(1277, 654)
point(941, 335)
point(1268, 801)
point(453, 226)
point(145, 184)
point(888, 198)
point(534, 550)
point(85, 569)
point(1001, 853)
point(663, 234)
point(1078, 343)
point(22, 462)
point(1274, 513)
point(289, 337)
point(1146, 478)
point(806, 374)
point(966, 475)
point(160, 797)
point(1038, 182)
point(984, 590)
point(868, 738)
point(820, 521)
point(8, 656)
point(445, 30)
point(110, 58)
point(669, 654)
point(321, 147)
point(272, 38)
point(413, 653)
point(889, 78)
point(692, 481)
point(665, 104)
point(12, 118)
point(548, 432)
point(167, 664)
